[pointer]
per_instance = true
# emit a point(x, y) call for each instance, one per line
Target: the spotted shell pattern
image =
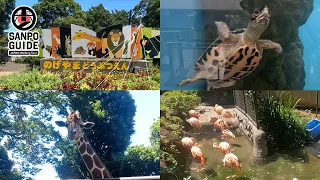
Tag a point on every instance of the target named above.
point(226, 70)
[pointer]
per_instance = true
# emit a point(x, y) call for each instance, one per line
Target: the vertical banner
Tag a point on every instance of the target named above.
point(65, 34)
point(47, 43)
point(84, 41)
point(128, 41)
point(156, 44)
point(112, 40)
point(56, 42)
point(145, 42)
point(136, 47)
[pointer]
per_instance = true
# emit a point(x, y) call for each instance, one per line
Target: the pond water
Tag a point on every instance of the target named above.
point(286, 166)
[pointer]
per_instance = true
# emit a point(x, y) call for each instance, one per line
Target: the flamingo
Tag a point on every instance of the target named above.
point(223, 146)
point(231, 160)
point(194, 122)
point(218, 109)
point(194, 114)
point(218, 123)
point(228, 134)
point(188, 142)
point(226, 114)
point(197, 153)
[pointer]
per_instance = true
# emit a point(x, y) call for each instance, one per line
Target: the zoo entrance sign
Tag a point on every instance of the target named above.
point(91, 65)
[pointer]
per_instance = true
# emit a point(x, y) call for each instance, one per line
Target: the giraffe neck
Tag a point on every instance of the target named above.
point(91, 38)
point(91, 160)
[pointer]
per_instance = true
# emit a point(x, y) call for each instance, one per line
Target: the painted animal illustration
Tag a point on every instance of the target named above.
point(150, 46)
point(49, 49)
point(83, 35)
point(80, 50)
point(234, 54)
point(114, 40)
point(57, 50)
point(68, 45)
point(75, 127)
point(56, 39)
point(91, 48)
point(135, 48)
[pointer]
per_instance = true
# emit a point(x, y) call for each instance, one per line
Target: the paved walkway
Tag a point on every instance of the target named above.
point(11, 67)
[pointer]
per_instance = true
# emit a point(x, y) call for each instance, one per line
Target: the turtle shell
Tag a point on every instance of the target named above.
point(228, 61)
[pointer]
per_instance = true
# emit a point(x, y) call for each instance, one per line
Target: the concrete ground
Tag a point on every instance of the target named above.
point(11, 67)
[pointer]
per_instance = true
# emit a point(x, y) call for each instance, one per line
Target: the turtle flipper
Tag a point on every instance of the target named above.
point(223, 30)
point(189, 80)
point(268, 44)
point(212, 84)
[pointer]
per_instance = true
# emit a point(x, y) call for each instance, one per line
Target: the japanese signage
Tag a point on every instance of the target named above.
point(90, 65)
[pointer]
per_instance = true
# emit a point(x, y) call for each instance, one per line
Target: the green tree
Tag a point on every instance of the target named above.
point(6, 8)
point(67, 21)
point(109, 110)
point(6, 171)
point(49, 11)
point(98, 17)
point(119, 17)
point(148, 11)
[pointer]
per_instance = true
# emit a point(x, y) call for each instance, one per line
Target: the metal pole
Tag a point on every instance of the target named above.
point(130, 16)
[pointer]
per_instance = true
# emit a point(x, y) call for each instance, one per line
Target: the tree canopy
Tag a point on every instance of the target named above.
point(63, 13)
point(26, 120)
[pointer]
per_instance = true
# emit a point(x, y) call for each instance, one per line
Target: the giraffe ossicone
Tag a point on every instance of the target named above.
point(75, 127)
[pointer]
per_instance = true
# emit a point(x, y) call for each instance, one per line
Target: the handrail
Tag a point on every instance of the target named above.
point(129, 178)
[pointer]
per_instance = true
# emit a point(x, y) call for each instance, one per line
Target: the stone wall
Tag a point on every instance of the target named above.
point(255, 136)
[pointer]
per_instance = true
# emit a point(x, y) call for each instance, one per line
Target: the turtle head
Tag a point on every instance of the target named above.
point(261, 16)
point(260, 19)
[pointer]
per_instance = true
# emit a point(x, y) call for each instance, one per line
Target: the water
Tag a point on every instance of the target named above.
point(311, 44)
point(186, 31)
point(294, 164)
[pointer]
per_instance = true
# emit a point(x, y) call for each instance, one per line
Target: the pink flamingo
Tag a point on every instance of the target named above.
point(223, 146)
point(218, 123)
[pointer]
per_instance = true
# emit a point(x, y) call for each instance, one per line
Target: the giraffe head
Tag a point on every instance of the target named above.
point(79, 35)
point(74, 124)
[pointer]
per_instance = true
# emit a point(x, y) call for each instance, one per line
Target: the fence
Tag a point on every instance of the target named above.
point(246, 104)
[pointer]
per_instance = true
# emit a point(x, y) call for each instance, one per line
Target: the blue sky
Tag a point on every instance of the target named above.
point(86, 4)
point(148, 109)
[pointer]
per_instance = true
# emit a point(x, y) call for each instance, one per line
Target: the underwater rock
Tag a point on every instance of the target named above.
point(285, 71)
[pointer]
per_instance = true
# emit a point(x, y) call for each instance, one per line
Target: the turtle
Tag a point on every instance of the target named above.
point(234, 54)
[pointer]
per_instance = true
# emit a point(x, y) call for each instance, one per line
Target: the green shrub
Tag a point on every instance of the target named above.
point(30, 80)
point(174, 109)
point(32, 61)
point(284, 127)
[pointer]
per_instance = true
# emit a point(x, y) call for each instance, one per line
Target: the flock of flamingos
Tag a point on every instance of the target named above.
point(219, 124)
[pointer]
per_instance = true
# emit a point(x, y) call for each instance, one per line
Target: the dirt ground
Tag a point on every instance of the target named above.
point(310, 114)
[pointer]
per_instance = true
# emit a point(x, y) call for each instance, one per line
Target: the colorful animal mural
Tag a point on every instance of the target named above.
point(65, 34)
point(81, 37)
point(46, 43)
point(150, 45)
point(112, 42)
point(56, 43)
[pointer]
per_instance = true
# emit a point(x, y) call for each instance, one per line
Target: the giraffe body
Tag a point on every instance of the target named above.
point(75, 125)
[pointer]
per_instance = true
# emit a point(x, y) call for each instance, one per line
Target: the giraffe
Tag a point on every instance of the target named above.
point(75, 125)
point(84, 35)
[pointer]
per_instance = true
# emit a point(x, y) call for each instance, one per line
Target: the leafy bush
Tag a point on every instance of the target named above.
point(30, 80)
point(32, 61)
point(284, 127)
point(174, 107)
point(68, 80)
